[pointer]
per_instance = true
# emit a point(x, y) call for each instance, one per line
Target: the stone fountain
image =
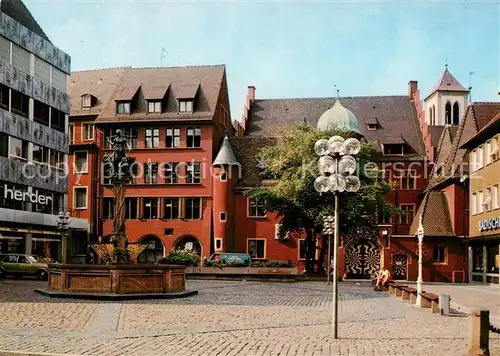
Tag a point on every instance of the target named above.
point(118, 278)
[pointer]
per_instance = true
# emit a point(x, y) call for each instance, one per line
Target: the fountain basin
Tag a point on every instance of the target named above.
point(116, 282)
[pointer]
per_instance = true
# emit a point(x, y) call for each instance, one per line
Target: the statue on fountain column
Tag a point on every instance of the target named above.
point(120, 164)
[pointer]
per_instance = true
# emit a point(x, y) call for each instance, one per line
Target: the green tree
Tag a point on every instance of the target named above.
point(292, 162)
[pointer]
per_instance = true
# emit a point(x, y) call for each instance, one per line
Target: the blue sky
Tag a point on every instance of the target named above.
point(288, 49)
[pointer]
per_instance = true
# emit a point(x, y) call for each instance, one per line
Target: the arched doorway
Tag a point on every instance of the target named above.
point(189, 243)
point(153, 252)
point(362, 258)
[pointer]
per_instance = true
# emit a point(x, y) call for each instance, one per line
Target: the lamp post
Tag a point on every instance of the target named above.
point(420, 236)
point(63, 221)
point(336, 165)
point(328, 229)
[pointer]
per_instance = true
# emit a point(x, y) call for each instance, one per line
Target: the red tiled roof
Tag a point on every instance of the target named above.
point(435, 213)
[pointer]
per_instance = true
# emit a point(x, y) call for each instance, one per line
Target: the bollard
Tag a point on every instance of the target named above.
point(479, 322)
point(444, 304)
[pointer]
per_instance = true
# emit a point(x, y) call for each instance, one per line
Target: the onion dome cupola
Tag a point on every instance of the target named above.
point(340, 117)
point(225, 155)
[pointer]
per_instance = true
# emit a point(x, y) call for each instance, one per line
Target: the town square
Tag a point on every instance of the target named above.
point(249, 178)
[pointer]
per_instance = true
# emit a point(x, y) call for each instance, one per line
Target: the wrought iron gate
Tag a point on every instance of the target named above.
point(399, 266)
point(362, 259)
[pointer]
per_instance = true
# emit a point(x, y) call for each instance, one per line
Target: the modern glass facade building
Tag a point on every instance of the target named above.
point(34, 107)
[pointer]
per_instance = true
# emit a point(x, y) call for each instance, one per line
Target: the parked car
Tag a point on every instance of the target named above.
point(243, 258)
point(23, 265)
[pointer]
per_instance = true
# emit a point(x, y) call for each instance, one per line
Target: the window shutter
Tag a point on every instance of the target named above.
point(20, 58)
point(42, 70)
point(58, 79)
point(5, 50)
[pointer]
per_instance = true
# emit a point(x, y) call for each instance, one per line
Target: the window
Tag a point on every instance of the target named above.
point(71, 133)
point(134, 173)
point(192, 208)
point(88, 131)
point(40, 154)
point(171, 208)
point(487, 200)
point(18, 149)
point(123, 107)
point(80, 198)
point(19, 103)
point(474, 204)
point(4, 145)
point(4, 97)
point(494, 197)
point(86, 101)
point(473, 162)
point(150, 208)
point(185, 105)
point(108, 208)
point(256, 248)
point(447, 114)
point(57, 120)
point(56, 159)
point(407, 179)
point(193, 174)
point(440, 255)
point(150, 173)
point(152, 138)
point(169, 231)
point(130, 208)
point(172, 137)
point(80, 161)
point(407, 213)
point(256, 208)
point(223, 216)
point(223, 176)
point(383, 175)
point(372, 127)
point(193, 137)
point(171, 172)
point(133, 137)
point(456, 114)
point(393, 149)
point(480, 201)
point(154, 106)
point(41, 113)
point(218, 244)
point(480, 156)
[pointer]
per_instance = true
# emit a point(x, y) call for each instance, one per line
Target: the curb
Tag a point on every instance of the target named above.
point(29, 353)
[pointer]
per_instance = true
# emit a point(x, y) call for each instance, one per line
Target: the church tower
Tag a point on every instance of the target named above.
point(447, 102)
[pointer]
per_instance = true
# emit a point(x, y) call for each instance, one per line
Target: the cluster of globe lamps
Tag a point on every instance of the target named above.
point(337, 165)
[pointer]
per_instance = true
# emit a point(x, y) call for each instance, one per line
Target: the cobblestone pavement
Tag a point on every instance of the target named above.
point(228, 318)
point(469, 296)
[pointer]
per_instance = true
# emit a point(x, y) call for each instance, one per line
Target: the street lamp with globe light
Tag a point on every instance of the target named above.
point(337, 166)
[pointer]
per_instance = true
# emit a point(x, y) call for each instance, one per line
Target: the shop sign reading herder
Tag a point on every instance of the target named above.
point(27, 196)
point(489, 224)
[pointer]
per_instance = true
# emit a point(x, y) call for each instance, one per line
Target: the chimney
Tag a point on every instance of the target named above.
point(412, 88)
point(251, 94)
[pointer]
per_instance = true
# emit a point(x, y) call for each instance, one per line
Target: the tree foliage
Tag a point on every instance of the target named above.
point(292, 162)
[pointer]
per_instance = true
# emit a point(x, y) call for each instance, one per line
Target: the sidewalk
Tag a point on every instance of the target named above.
point(468, 296)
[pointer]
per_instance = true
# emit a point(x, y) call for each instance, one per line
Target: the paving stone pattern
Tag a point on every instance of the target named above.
point(228, 318)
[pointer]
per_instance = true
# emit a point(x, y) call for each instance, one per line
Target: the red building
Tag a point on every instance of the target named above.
point(191, 180)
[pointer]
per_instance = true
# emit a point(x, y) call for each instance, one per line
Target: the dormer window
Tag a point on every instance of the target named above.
point(372, 123)
point(154, 106)
point(372, 127)
point(86, 101)
point(123, 107)
point(393, 149)
point(185, 105)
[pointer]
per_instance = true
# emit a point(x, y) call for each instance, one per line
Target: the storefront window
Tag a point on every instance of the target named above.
point(492, 252)
point(11, 242)
point(47, 247)
point(477, 259)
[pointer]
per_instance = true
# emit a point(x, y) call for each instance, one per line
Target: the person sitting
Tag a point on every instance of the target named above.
point(386, 277)
point(377, 280)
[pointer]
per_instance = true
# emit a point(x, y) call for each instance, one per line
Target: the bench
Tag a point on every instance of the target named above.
point(430, 300)
point(396, 289)
point(407, 292)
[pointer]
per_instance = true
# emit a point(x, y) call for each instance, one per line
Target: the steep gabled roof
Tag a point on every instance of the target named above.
point(396, 117)
point(447, 82)
point(435, 212)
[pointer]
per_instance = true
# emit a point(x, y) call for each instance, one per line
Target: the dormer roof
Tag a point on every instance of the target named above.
point(187, 92)
point(226, 154)
point(154, 92)
point(126, 93)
